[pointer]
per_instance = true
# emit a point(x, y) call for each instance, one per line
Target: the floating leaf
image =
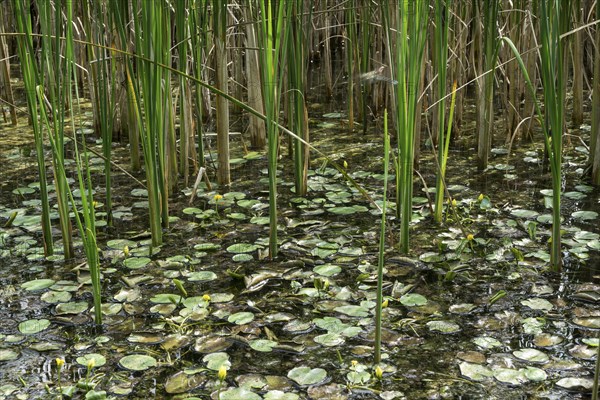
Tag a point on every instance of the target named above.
point(263, 345)
point(307, 376)
point(353, 311)
point(214, 361)
point(475, 372)
point(524, 213)
point(538, 304)
point(443, 326)
point(241, 318)
point(487, 342)
point(327, 269)
point(33, 326)
point(76, 307)
point(136, 262)
point(532, 355)
point(242, 248)
point(98, 359)
point(200, 276)
point(510, 375)
point(329, 339)
point(413, 299)
point(38, 284)
point(585, 215)
point(137, 362)
point(279, 395)
point(347, 210)
point(8, 355)
point(238, 394)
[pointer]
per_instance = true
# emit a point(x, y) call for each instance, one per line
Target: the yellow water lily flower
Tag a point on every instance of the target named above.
point(59, 362)
point(470, 237)
point(222, 374)
point(378, 372)
point(480, 198)
point(218, 197)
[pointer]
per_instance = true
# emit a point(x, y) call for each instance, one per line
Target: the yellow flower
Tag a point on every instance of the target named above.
point(218, 197)
point(470, 237)
point(126, 251)
point(454, 203)
point(345, 165)
point(354, 363)
point(480, 198)
point(385, 303)
point(378, 372)
point(206, 297)
point(222, 374)
point(59, 362)
point(91, 363)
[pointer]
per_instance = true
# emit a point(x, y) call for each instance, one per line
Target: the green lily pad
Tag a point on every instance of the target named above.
point(214, 361)
point(538, 304)
point(307, 376)
point(207, 247)
point(8, 355)
point(200, 276)
point(510, 375)
point(119, 244)
point(242, 248)
point(239, 393)
point(279, 395)
point(524, 213)
point(33, 326)
point(53, 297)
point(138, 362)
point(75, 307)
point(353, 311)
point(487, 342)
point(329, 339)
point(327, 269)
point(241, 318)
point(475, 372)
point(585, 215)
point(347, 210)
point(443, 326)
point(136, 262)
point(532, 355)
point(99, 359)
point(165, 298)
point(242, 257)
point(263, 345)
point(574, 195)
point(38, 284)
point(413, 299)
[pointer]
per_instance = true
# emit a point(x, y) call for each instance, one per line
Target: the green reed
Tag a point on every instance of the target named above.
point(296, 73)
point(442, 24)
point(381, 258)
point(30, 73)
point(273, 39)
point(56, 80)
point(552, 21)
point(407, 59)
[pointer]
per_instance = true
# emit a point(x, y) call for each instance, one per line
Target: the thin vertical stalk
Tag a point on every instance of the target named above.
point(486, 82)
point(381, 257)
point(442, 23)
point(219, 31)
point(595, 134)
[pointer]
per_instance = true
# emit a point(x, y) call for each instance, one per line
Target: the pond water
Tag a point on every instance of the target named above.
point(207, 315)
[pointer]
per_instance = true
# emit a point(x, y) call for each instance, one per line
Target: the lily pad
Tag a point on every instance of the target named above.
point(200, 276)
point(38, 284)
point(279, 395)
point(475, 372)
point(443, 326)
point(263, 345)
point(532, 355)
point(239, 393)
point(413, 299)
point(241, 318)
point(327, 269)
point(307, 376)
point(136, 262)
point(585, 215)
point(242, 248)
point(33, 326)
point(8, 355)
point(98, 359)
point(137, 362)
point(214, 361)
point(538, 304)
